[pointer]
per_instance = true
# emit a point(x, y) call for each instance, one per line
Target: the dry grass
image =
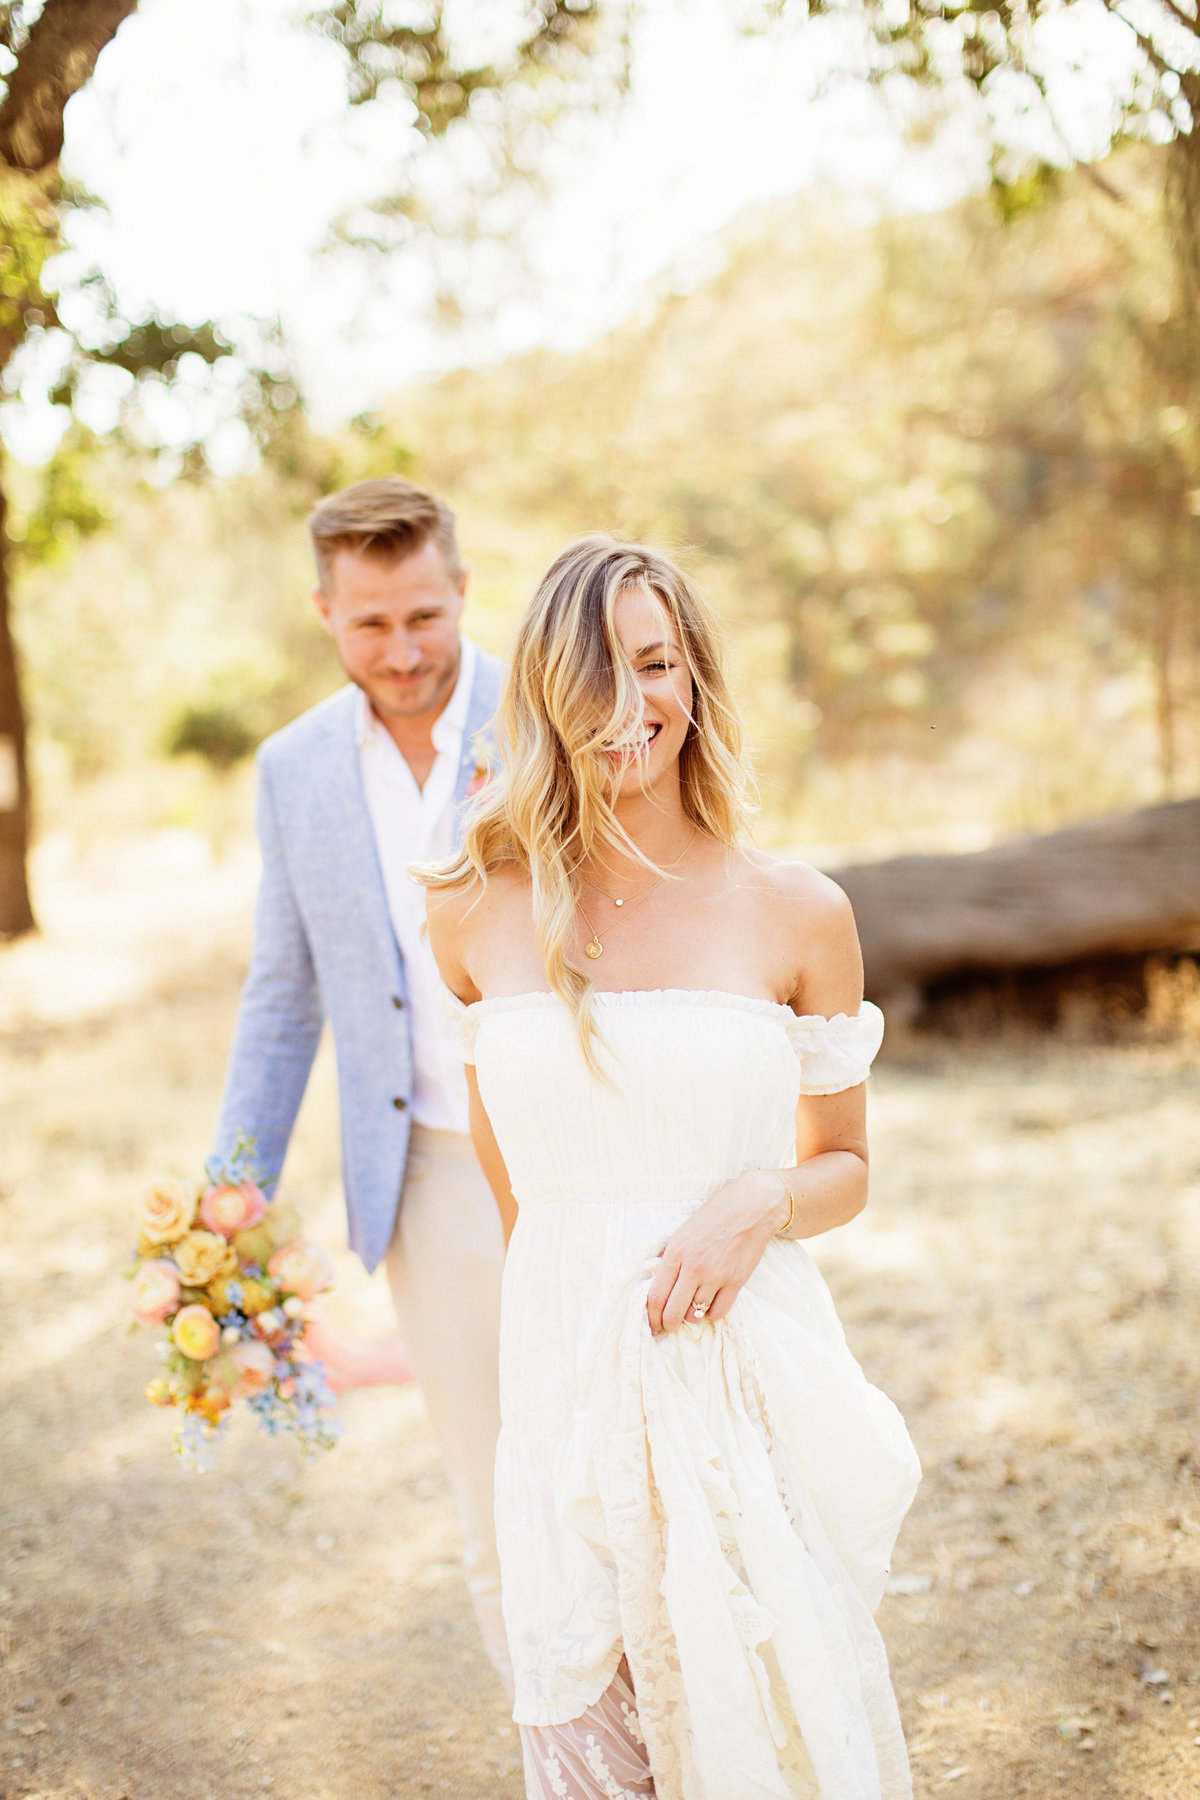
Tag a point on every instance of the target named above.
point(1024, 1284)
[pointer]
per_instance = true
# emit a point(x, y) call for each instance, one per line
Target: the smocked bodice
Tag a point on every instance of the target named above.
point(700, 1086)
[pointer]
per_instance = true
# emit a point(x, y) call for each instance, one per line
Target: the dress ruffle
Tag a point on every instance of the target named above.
point(837, 1053)
point(834, 1053)
point(734, 1496)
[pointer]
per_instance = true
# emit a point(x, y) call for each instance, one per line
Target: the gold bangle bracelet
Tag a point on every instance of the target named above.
point(787, 1188)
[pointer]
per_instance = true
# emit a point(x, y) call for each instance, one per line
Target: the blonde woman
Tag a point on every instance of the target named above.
point(697, 1490)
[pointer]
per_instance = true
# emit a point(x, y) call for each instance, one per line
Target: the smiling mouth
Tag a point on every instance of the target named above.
point(637, 751)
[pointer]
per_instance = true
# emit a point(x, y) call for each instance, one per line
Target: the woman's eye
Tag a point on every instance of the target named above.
point(657, 668)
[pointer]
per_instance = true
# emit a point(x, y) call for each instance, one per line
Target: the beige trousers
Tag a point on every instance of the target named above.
point(444, 1266)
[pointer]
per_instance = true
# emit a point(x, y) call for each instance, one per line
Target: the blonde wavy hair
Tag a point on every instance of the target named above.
point(570, 696)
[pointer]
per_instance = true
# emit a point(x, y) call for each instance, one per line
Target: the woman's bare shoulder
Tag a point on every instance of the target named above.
point(461, 917)
point(798, 891)
point(811, 925)
point(450, 909)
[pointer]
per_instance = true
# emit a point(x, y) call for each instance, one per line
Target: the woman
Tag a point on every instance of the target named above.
point(697, 1491)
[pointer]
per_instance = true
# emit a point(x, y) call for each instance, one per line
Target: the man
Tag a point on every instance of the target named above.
point(350, 794)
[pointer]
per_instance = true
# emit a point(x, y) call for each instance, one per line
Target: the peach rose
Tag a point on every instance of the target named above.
point(201, 1256)
point(196, 1333)
point(167, 1212)
point(255, 1365)
point(155, 1291)
point(229, 1210)
point(302, 1269)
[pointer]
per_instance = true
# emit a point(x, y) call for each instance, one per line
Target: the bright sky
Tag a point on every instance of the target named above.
point(217, 132)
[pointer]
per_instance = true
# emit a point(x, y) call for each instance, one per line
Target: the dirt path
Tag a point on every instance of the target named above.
point(1024, 1284)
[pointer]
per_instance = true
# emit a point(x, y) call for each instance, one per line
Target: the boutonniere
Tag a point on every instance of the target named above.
point(483, 753)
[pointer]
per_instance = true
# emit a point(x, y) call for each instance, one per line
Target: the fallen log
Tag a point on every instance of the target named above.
point(1120, 887)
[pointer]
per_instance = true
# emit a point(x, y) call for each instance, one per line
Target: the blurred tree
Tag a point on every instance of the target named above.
point(47, 53)
point(474, 91)
point(423, 61)
point(913, 456)
point(1010, 56)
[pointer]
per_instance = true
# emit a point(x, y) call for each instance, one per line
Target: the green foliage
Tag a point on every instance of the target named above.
point(61, 504)
point(216, 732)
point(1035, 187)
point(192, 602)
point(941, 475)
point(29, 235)
point(906, 459)
point(560, 56)
point(420, 59)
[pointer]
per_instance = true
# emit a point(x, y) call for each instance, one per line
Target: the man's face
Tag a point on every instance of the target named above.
point(395, 627)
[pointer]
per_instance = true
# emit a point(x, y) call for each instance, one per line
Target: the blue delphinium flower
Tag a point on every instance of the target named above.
point(197, 1440)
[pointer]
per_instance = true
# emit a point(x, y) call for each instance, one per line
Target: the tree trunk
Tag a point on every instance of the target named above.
point(1119, 887)
point(16, 914)
point(1164, 691)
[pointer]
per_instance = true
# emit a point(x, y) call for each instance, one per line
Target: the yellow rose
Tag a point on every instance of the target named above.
point(166, 1213)
point(201, 1256)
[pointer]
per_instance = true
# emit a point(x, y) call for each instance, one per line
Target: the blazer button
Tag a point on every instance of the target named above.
point(400, 1103)
point(398, 1003)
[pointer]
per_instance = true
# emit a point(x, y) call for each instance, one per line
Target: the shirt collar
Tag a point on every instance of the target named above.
point(449, 723)
point(452, 720)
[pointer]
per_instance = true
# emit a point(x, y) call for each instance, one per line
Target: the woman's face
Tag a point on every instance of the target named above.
point(655, 740)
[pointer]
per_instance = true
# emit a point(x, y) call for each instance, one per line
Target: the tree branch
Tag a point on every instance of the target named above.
point(55, 61)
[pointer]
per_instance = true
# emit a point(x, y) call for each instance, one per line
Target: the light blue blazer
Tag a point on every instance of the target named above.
point(324, 947)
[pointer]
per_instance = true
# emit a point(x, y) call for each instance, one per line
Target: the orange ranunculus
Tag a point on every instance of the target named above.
point(196, 1333)
point(232, 1209)
point(255, 1365)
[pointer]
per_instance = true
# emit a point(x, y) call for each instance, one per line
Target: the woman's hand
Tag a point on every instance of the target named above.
point(714, 1253)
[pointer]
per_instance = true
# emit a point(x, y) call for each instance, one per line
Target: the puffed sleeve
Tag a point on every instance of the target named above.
point(835, 1054)
point(464, 1020)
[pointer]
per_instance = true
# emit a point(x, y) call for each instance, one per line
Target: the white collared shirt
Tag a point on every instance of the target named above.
point(412, 825)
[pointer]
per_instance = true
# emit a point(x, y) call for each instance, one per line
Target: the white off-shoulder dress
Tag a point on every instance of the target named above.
point(709, 1514)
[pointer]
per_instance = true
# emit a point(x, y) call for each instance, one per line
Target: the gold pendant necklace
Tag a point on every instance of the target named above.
point(594, 948)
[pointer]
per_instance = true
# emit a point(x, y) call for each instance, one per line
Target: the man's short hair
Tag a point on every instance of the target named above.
point(386, 518)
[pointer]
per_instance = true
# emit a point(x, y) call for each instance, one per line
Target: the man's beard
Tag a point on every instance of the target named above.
point(430, 690)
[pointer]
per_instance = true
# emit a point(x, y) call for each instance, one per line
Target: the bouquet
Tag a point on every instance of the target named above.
point(221, 1269)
